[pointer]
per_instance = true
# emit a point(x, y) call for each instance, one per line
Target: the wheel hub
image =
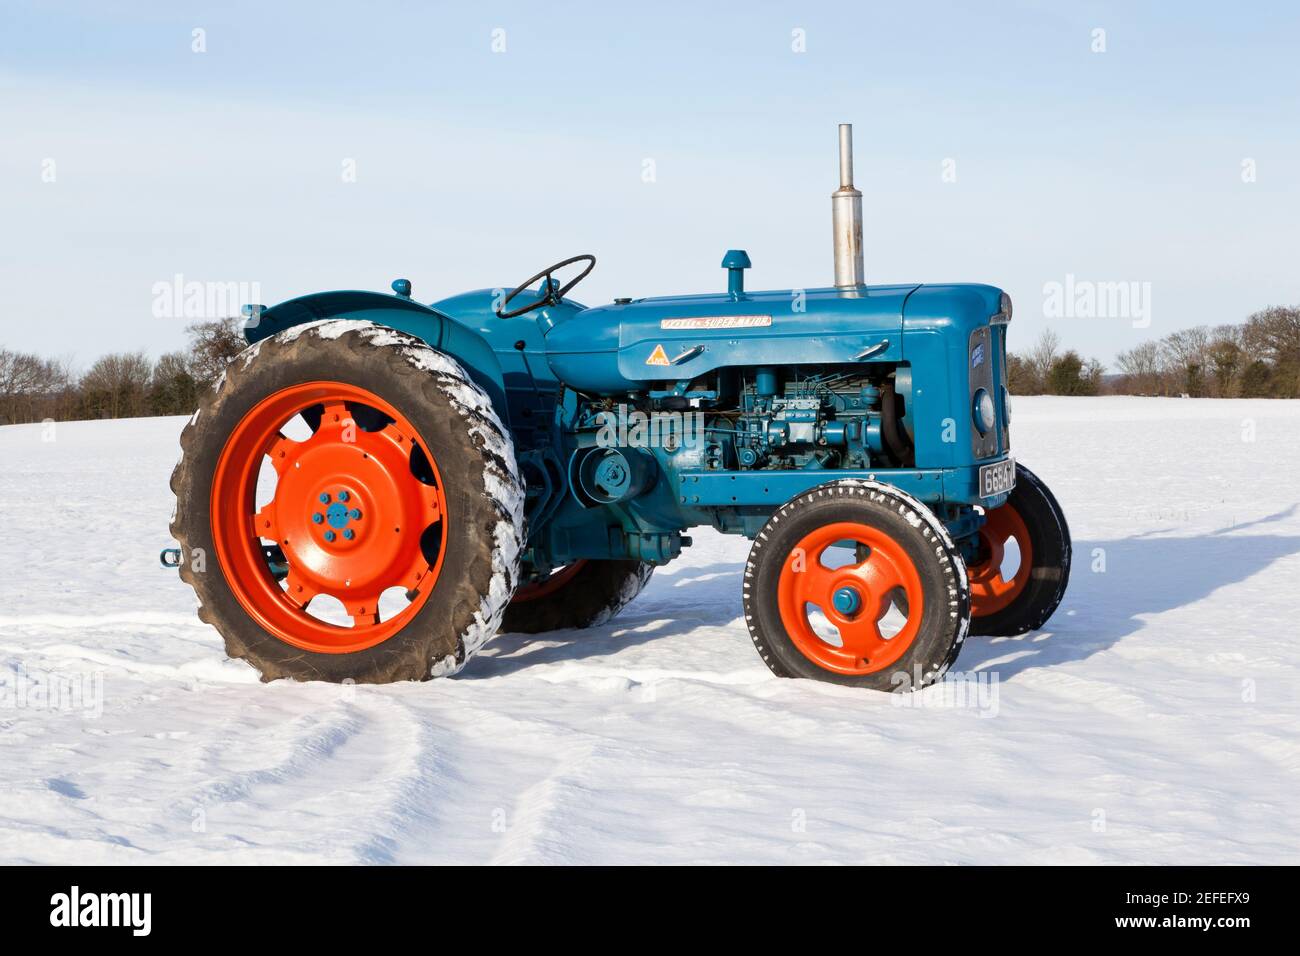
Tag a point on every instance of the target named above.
point(338, 514)
point(847, 601)
point(345, 496)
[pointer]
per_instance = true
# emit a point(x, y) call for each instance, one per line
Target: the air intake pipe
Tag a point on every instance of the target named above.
point(846, 219)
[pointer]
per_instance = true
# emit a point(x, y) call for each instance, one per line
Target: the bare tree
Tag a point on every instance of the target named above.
point(1277, 330)
point(1273, 335)
point(1037, 364)
point(116, 386)
point(173, 389)
point(1226, 359)
point(1141, 368)
point(212, 345)
point(1185, 351)
point(1093, 373)
point(30, 386)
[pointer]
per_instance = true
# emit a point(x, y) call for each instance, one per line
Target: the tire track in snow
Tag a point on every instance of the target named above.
point(529, 837)
point(313, 740)
point(214, 669)
point(415, 776)
point(346, 781)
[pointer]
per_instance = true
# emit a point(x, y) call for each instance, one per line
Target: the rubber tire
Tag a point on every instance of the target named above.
point(1049, 537)
point(946, 616)
point(485, 498)
point(593, 596)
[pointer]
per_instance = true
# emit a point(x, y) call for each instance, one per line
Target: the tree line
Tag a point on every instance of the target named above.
point(1258, 358)
point(121, 385)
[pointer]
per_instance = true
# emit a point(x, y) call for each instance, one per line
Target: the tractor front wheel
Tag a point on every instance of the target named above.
point(348, 507)
point(856, 583)
point(1016, 589)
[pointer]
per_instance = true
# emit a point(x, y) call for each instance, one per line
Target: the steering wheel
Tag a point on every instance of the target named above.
point(552, 292)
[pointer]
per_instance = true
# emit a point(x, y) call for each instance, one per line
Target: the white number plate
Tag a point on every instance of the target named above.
point(997, 478)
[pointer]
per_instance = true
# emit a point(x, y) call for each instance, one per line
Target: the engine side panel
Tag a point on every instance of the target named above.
point(646, 343)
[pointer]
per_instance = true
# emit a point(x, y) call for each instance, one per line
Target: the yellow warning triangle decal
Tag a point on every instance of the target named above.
point(658, 357)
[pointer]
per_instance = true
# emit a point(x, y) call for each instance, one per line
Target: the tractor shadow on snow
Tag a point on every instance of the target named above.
point(672, 604)
point(1143, 575)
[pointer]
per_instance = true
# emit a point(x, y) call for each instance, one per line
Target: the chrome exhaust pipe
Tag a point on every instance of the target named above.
point(846, 219)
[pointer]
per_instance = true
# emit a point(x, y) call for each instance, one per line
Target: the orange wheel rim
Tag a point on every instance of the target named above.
point(350, 515)
point(540, 589)
point(853, 599)
point(990, 592)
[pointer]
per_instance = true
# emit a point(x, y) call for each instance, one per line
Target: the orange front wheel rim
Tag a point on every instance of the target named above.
point(852, 599)
point(358, 510)
point(992, 587)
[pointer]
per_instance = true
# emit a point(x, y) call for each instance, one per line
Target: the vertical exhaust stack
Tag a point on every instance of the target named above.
point(846, 219)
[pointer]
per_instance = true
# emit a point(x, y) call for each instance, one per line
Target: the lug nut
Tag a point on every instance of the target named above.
point(355, 514)
point(343, 496)
point(324, 498)
point(317, 518)
point(329, 535)
point(349, 534)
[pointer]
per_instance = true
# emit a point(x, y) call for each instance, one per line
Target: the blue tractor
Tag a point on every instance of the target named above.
point(376, 487)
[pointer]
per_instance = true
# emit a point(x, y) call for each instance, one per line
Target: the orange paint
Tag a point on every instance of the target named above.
point(989, 591)
point(806, 581)
point(387, 509)
point(556, 580)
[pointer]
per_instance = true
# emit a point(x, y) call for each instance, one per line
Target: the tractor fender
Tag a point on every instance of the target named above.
point(436, 329)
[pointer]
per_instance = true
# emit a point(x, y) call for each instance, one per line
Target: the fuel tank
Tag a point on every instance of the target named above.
point(645, 344)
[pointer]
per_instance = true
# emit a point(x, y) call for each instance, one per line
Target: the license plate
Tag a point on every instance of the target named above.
point(997, 478)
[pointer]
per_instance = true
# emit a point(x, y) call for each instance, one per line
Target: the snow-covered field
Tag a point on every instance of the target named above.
point(1157, 720)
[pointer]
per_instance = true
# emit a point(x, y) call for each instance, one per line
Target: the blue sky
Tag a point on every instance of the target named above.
point(476, 168)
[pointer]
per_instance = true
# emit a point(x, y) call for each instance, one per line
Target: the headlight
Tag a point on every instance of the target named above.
point(1004, 311)
point(985, 413)
point(1006, 405)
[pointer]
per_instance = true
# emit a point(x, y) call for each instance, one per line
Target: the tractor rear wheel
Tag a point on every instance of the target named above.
point(1009, 599)
point(348, 507)
point(581, 594)
point(856, 583)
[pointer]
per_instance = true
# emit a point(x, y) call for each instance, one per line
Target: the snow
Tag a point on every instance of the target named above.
point(1157, 720)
